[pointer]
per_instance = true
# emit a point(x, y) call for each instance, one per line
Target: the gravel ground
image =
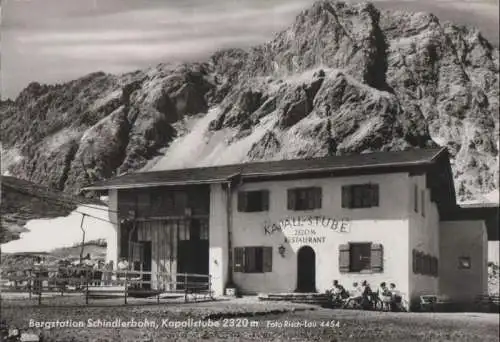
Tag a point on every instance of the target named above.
point(244, 319)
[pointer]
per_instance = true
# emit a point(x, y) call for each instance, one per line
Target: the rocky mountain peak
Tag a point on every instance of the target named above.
point(330, 34)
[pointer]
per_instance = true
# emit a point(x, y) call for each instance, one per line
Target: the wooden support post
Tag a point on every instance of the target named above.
point(158, 287)
point(30, 283)
point(87, 287)
point(40, 288)
point(210, 286)
point(185, 287)
point(63, 284)
point(126, 286)
point(140, 276)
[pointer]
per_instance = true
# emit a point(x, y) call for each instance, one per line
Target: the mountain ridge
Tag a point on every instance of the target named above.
point(343, 78)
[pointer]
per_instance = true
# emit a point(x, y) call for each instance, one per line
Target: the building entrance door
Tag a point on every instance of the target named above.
point(306, 270)
point(193, 254)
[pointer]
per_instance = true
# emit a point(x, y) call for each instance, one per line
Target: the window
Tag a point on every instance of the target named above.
point(464, 263)
point(253, 259)
point(304, 198)
point(143, 204)
point(424, 264)
point(136, 252)
point(434, 267)
point(422, 199)
point(196, 229)
point(253, 201)
point(204, 232)
point(420, 263)
point(125, 229)
point(415, 198)
point(361, 257)
point(184, 231)
point(360, 196)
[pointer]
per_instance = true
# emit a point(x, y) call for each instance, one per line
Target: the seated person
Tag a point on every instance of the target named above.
point(382, 289)
point(385, 295)
point(338, 292)
point(396, 297)
point(356, 294)
point(123, 265)
point(366, 293)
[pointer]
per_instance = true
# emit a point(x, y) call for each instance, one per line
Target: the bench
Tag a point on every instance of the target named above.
point(431, 303)
point(487, 303)
point(195, 291)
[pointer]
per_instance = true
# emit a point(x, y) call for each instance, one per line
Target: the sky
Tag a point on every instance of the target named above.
point(51, 41)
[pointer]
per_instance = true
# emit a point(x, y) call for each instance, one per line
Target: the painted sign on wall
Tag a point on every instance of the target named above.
point(307, 225)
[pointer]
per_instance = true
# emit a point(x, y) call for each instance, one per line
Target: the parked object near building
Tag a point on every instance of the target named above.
point(294, 225)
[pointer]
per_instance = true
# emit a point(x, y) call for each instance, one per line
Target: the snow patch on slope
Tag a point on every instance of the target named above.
point(201, 147)
point(60, 138)
point(236, 152)
point(8, 157)
point(64, 231)
point(186, 150)
point(114, 95)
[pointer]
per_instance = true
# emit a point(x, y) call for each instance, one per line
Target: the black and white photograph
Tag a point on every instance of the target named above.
point(249, 170)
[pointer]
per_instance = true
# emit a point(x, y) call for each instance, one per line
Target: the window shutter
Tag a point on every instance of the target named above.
point(415, 199)
point(317, 198)
point(265, 200)
point(291, 199)
point(422, 198)
point(344, 258)
point(437, 267)
point(242, 201)
point(268, 259)
point(425, 264)
point(428, 263)
point(249, 259)
point(377, 258)
point(239, 257)
point(375, 195)
point(414, 261)
point(346, 196)
point(419, 263)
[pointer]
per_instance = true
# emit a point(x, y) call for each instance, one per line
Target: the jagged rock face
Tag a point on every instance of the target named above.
point(92, 128)
point(451, 75)
point(343, 78)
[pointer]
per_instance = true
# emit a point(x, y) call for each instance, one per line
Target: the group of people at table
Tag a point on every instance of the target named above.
point(363, 296)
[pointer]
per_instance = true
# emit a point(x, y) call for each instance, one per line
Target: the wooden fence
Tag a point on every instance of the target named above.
point(102, 283)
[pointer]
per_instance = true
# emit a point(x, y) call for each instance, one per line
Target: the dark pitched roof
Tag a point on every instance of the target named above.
point(489, 212)
point(352, 164)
